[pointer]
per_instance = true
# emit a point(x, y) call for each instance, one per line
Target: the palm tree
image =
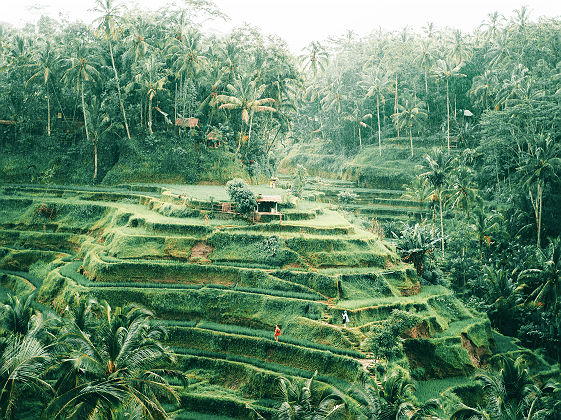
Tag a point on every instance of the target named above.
point(245, 95)
point(540, 164)
point(419, 191)
point(108, 22)
point(511, 393)
point(484, 88)
point(314, 58)
point(437, 167)
point(445, 71)
point(16, 315)
point(298, 403)
point(24, 361)
point(425, 60)
point(112, 364)
point(548, 290)
point(463, 190)
point(376, 84)
point(187, 61)
point(99, 125)
point(408, 115)
point(80, 71)
point(358, 121)
point(493, 24)
point(45, 62)
point(152, 81)
point(396, 393)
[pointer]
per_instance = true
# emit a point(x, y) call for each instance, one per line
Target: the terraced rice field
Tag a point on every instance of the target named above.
point(220, 283)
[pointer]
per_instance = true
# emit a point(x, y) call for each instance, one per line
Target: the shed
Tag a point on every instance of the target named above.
point(268, 203)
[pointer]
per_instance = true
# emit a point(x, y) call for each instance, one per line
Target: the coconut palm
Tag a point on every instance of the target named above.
point(419, 191)
point(114, 363)
point(358, 120)
point(510, 394)
point(24, 361)
point(298, 402)
point(376, 84)
point(108, 23)
point(395, 393)
point(446, 71)
point(45, 61)
point(100, 125)
point(540, 165)
point(81, 70)
point(425, 59)
point(484, 88)
point(314, 58)
point(548, 291)
point(437, 168)
point(152, 81)
point(410, 114)
point(245, 96)
point(16, 314)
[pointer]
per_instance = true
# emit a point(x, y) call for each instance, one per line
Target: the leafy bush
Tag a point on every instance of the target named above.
point(241, 195)
point(347, 197)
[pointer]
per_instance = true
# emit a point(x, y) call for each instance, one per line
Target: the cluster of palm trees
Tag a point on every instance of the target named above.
point(422, 83)
point(93, 362)
point(131, 65)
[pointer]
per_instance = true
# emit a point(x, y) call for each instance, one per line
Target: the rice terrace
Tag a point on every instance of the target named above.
point(201, 225)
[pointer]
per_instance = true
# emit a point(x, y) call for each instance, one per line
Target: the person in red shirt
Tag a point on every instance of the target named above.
point(277, 332)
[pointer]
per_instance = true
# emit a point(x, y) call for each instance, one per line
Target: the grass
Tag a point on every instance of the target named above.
point(435, 388)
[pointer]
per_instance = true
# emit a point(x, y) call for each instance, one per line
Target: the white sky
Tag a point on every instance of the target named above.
point(299, 22)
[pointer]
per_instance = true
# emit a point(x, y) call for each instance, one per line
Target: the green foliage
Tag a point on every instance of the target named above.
point(242, 196)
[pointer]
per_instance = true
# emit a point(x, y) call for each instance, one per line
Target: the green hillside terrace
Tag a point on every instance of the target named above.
point(219, 283)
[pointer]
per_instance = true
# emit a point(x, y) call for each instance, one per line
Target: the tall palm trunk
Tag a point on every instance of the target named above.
point(379, 127)
point(249, 132)
point(359, 137)
point(411, 139)
point(150, 113)
point(84, 112)
point(119, 89)
point(48, 115)
point(95, 160)
point(447, 116)
point(441, 221)
point(395, 107)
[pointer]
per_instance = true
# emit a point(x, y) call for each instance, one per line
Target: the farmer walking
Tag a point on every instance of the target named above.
point(345, 319)
point(277, 332)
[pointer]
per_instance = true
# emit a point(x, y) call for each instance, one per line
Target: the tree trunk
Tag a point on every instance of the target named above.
point(249, 132)
point(395, 107)
point(119, 90)
point(48, 115)
point(359, 137)
point(379, 127)
point(95, 160)
point(447, 116)
point(84, 112)
point(540, 202)
point(441, 221)
point(150, 114)
point(411, 139)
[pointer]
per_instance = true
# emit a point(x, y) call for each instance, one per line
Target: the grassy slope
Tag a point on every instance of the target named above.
point(145, 256)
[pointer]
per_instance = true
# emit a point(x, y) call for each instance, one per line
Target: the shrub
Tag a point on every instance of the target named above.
point(299, 180)
point(241, 195)
point(347, 197)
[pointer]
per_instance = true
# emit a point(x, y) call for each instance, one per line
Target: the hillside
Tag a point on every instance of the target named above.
point(220, 284)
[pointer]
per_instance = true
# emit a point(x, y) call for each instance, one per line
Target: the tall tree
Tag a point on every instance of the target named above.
point(108, 22)
point(245, 95)
point(376, 84)
point(446, 71)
